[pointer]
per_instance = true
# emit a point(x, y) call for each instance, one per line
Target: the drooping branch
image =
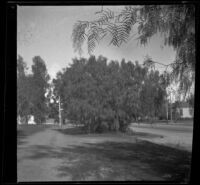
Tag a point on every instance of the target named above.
point(118, 26)
point(175, 23)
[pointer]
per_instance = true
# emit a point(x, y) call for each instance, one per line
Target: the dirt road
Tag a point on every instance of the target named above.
point(54, 154)
point(40, 155)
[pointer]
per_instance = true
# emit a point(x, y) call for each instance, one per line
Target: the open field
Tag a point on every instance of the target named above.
point(52, 154)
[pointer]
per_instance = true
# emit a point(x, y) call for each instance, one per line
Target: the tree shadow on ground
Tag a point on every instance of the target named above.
point(118, 161)
point(23, 131)
point(21, 135)
point(72, 131)
point(146, 135)
point(82, 131)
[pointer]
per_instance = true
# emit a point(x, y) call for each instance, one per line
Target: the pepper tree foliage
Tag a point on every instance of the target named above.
point(107, 95)
point(175, 23)
point(31, 89)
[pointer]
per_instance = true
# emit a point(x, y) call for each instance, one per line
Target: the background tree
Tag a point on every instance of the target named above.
point(176, 112)
point(153, 95)
point(31, 90)
point(23, 90)
point(39, 87)
point(52, 103)
point(190, 100)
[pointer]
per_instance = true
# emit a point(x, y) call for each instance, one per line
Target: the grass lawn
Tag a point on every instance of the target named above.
point(115, 157)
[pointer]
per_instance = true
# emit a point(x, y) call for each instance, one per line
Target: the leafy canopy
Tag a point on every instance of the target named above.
point(31, 89)
point(101, 94)
point(176, 24)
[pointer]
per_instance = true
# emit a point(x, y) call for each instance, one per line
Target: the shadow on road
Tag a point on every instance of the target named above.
point(72, 131)
point(146, 135)
point(81, 131)
point(21, 135)
point(24, 131)
point(115, 160)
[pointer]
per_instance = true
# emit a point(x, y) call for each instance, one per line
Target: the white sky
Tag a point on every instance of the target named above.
point(46, 31)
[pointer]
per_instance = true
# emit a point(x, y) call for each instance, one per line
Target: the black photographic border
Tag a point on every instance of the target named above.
point(9, 88)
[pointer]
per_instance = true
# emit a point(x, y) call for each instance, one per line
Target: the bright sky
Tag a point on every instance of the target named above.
point(46, 31)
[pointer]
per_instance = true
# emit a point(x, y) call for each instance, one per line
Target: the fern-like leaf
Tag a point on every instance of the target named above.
point(78, 36)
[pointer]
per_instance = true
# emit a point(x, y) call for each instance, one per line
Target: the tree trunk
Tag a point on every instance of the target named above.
point(89, 126)
point(116, 124)
point(26, 120)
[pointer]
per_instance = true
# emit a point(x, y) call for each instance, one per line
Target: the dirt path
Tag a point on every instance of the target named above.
point(51, 155)
point(38, 169)
point(38, 157)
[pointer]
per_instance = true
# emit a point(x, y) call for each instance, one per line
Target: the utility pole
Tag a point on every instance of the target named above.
point(60, 116)
point(171, 104)
point(167, 109)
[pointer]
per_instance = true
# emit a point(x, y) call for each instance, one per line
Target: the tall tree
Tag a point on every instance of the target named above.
point(39, 84)
point(107, 96)
point(153, 95)
point(23, 86)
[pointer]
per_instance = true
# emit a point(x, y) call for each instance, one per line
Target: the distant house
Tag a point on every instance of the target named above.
point(19, 120)
point(185, 110)
point(30, 121)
